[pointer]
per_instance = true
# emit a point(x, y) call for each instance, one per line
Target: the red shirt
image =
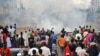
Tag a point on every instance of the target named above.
point(4, 37)
point(67, 51)
point(6, 51)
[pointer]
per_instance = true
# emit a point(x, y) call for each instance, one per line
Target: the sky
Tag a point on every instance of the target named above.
point(44, 13)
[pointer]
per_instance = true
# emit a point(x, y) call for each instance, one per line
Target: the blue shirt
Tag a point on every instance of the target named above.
point(53, 36)
point(42, 37)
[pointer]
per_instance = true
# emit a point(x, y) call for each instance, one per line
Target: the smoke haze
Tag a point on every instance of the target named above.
point(45, 13)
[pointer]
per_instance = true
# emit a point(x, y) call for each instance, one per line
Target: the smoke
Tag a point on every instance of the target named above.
point(45, 13)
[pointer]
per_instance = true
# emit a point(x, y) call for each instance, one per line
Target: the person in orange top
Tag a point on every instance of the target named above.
point(61, 43)
point(5, 51)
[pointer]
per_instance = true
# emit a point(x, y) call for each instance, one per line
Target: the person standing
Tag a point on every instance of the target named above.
point(29, 33)
point(87, 28)
point(46, 50)
point(30, 52)
point(73, 46)
point(31, 41)
point(54, 49)
point(82, 52)
point(34, 53)
point(1, 39)
point(26, 39)
point(75, 31)
point(15, 29)
point(47, 38)
point(11, 30)
point(91, 29)
point(13, 42)
point(5, 30)
point(88, 38)
point(21, 40)
point(80, 29)
point(4, 37)
point(16, 39)
point(5, 51)
point(8, 41)
point(67, 51)
point(61, 43)
point(93, 49)
point(85, 33)
point(53, 36)
point(40, 52)
point(1, 35)
point(63, 31)
point(78, 35)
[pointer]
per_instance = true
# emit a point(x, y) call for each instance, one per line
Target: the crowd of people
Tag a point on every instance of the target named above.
point(83, 41)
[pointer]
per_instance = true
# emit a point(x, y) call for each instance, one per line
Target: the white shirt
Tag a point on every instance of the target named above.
point(11, 31)
point(8, 42)
point(99, 54)
point(82, 52)
point(30, 51)
point(78, 35)
point(29, 33)
point(19, 54)
point(46, 51)
point(78, 49)
point(67, 38)
point(26, 39)
point(85, 33)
